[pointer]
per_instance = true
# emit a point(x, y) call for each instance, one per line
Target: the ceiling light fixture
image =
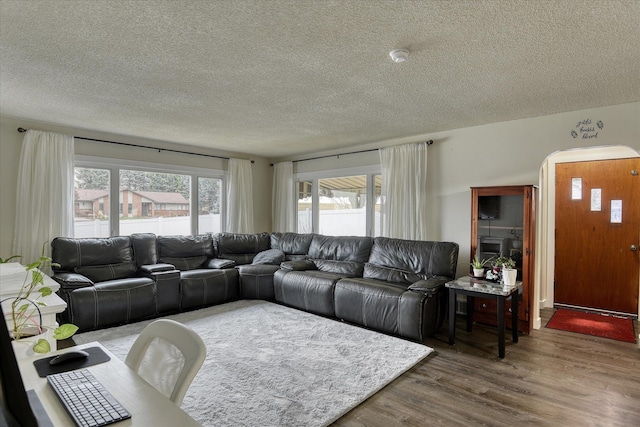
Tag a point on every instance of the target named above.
point(399, 55)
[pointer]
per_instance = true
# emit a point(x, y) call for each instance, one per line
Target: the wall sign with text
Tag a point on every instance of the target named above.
point(586, 129)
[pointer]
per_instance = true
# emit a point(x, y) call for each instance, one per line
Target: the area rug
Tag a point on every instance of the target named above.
point(270, 365)
point(595, 324)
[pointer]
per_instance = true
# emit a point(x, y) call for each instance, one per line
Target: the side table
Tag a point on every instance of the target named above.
point(472, 287)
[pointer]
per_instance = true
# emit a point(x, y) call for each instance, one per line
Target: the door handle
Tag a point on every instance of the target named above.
point(634, 248)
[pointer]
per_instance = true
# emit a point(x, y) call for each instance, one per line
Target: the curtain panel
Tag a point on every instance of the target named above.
point(44, 200)
point(240, 197)
point(404, 186)
point(283, 210)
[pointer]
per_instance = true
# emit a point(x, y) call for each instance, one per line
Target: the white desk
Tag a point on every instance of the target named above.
point(147, 406)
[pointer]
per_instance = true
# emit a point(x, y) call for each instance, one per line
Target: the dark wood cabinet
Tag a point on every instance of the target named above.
point(503, 221)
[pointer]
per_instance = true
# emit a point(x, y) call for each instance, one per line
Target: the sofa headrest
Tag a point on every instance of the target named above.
point(291, 243)
point(145, 250)
point(419, 257)
point(79, 252)
point(340, 248)
point(235, 243)
point(200, 245)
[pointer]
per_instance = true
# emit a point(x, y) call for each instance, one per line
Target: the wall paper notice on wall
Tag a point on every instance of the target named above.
point(586, 129)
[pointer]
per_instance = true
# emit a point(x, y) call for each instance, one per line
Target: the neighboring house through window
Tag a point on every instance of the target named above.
point(150, 198)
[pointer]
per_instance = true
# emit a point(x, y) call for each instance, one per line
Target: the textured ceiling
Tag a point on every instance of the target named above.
point(281, 78)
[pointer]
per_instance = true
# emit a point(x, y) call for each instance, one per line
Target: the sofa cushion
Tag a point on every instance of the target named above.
point(145, 249)
point(185, 264)
point(394, 275)
point(70, 252)
point(294, 245)
point(219, 263)
point(241, 248)
point(420, 257)
point(185, 246)
point(102, 273)
point(347, 268)
point(270, 256)
point(340, 248)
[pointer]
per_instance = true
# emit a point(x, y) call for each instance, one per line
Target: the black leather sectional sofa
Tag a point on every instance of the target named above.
point(391, 285)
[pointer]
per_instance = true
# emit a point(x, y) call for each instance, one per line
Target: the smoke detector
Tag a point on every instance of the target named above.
point(399, 55)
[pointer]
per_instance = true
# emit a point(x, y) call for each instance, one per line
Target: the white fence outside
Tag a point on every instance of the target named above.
point(159, 226)
point(332, 223)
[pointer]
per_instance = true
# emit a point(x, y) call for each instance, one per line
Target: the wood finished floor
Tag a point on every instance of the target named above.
point(549, 378)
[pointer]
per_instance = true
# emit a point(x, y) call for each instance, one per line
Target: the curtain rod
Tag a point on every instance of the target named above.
point(23, 130)
point(429, 142)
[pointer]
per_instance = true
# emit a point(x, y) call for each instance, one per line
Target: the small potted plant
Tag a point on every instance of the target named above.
point(478, 265)
point(25, 315)
point(508, 269)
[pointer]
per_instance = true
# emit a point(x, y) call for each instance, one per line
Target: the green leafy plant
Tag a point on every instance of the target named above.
point(477, 263)
point(25, 307)
point(505, 262)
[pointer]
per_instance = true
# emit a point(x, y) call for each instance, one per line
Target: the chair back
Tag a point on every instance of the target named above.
point(167, 355)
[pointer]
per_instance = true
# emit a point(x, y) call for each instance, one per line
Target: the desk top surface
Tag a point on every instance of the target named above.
point(471, 284)
point(147, 406)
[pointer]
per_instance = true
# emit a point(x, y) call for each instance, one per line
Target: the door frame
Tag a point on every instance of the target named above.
point(545, 229)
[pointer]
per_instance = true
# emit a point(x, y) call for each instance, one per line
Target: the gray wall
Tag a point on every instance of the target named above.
point(506, 153)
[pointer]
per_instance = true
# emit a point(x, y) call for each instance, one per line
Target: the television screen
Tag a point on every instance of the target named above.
point(489, 207)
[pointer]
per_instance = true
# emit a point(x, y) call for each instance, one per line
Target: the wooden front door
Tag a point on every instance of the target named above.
point(597, 261)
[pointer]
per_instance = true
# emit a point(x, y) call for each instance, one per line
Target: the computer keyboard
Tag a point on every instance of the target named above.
point(86, 400)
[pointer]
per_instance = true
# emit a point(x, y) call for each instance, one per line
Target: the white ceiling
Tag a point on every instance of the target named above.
point(279, 78)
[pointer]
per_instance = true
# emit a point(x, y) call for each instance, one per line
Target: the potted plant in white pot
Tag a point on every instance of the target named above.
point(478, 265)
point(25, 318)
point(508, 270)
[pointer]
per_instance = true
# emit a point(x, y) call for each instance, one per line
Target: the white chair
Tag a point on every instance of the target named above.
point(168, 355)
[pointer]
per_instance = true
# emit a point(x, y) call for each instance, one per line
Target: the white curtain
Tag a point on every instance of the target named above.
point(44, 200)
point(283, 212)
point(240, 197)
point(404, 186)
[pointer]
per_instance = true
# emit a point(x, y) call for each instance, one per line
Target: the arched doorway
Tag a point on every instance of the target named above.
point(545, 247)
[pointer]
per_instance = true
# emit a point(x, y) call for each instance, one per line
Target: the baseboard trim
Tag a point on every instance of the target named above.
point(597, 310)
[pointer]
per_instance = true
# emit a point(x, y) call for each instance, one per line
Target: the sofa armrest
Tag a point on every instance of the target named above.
point(71, 281)
point(429, 286)
point(156, 268)
point(220, 263)
point(300, 265)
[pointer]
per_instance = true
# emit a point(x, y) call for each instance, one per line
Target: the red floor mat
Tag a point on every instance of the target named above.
point(595, 324)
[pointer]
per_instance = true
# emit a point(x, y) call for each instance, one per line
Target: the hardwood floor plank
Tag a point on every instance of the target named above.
point(549, 378)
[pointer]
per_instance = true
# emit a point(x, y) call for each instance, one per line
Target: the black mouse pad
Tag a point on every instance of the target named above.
point(96, 355)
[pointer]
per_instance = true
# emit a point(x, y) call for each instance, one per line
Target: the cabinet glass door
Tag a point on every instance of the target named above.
point(500, 227)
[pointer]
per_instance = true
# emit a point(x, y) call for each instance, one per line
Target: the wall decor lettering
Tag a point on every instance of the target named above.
point(586, 129)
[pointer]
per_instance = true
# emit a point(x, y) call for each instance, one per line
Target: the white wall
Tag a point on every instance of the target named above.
point(506, 153)
point(11, 140)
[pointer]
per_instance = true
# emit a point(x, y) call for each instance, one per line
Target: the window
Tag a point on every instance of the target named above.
point(209, 201)
point(338, 205)
point(305, 207)
point(155, 202)
point(90, 213)
point(149, 199)
point(377, 208)
point(342, 206)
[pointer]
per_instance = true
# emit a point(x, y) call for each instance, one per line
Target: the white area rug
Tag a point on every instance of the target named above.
point(270, 365)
